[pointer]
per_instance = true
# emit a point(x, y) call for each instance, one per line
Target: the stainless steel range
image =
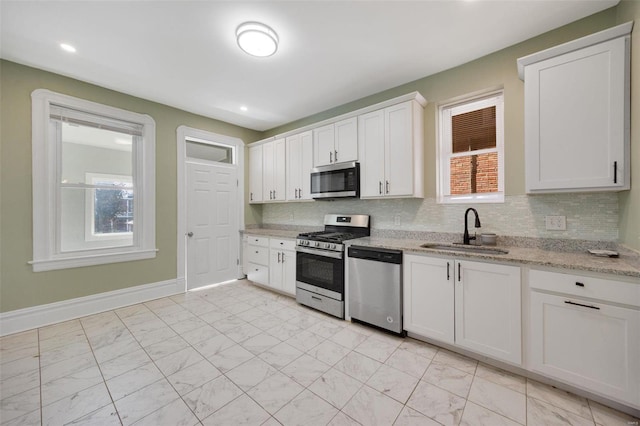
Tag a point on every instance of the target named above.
point(320, 262)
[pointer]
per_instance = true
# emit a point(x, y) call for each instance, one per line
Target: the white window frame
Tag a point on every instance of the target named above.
point(90, 208)
point(47, 254)
point(444, 146)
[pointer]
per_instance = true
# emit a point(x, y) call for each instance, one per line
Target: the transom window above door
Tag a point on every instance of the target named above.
point(93, 183)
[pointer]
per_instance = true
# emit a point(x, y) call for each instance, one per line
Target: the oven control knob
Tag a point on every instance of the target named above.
point(332, 246)
point(317, 244)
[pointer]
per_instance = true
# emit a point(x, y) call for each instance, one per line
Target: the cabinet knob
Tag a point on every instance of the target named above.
point(579, 284)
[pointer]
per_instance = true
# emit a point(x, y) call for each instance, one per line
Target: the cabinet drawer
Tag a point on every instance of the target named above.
point(584, 286)
point(259, 255)
point(258, 273)
point(255, 240)
point(284, 244)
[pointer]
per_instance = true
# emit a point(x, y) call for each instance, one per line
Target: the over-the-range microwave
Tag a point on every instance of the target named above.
point(341, 180)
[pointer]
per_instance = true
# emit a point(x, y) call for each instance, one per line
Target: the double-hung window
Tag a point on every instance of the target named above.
point(93, 183)
point(471, 150)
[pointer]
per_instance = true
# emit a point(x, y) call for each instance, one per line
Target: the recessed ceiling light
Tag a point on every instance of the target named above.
point(257, 39)
point(244, 108)
point(67, 48)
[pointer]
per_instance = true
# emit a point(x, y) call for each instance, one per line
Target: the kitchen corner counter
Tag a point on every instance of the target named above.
point(627, 265)
point(275, 233)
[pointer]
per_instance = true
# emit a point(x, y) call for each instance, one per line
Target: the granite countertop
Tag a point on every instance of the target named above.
point(628, 264)
point(267, 232)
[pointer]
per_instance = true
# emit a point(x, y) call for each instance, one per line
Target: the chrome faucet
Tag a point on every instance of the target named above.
point(466, 239)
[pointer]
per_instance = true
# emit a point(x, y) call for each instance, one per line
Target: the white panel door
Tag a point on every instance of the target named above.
point(323, 144)
point(398, 150)
point(255, 174)
point(346, 140)
point(371, 153)
point(590, 344)
point(212, 224)
point(488, 314)
point(429, 297)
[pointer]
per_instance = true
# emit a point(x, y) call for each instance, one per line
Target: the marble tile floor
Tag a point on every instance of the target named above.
point(238, 354)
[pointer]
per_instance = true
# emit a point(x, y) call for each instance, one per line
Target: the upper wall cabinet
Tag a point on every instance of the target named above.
point(273, 170)
point(299, 164)
point(577, 98)
point(390, 144)
point(255, 174)
point(336, 142)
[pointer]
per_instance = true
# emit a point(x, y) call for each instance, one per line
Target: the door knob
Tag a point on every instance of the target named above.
point(190, 234)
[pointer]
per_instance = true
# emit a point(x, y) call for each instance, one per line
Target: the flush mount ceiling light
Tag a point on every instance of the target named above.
point(257, 39)
point(67, 48)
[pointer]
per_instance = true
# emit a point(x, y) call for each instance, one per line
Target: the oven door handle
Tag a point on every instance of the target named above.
point(321, 253)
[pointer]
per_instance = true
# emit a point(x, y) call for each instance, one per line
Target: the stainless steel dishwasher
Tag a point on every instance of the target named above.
point(375, 286)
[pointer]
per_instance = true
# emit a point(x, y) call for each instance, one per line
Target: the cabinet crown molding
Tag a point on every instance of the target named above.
point(599, 37)
point(413, 96)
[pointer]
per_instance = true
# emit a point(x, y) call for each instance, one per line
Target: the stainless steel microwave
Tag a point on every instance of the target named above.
point(340, 180)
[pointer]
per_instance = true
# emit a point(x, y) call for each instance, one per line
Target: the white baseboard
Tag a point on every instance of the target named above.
point(51, 313)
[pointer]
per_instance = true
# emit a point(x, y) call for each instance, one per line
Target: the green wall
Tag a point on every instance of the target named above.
point(19, 286)
point(499, 70)
point(629, 10)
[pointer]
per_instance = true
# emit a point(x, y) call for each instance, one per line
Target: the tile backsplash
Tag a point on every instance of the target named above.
point(590, 216)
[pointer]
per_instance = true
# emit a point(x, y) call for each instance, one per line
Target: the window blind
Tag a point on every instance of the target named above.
point(72, 116)
point(474, 130)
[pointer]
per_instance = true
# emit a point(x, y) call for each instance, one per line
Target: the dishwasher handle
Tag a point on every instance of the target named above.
point(376, 254)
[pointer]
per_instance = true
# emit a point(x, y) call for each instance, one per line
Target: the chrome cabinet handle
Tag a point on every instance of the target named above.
point(274, 194)
point(615, 172)
point(282, 257)
point(387, 187)
point(300, 193)
point(296, 193)
point(380, 186)
point(459, 272)
point(330, 157)
point(278, 257)
point(251, 196)
point(335, 156)
point(448, 275)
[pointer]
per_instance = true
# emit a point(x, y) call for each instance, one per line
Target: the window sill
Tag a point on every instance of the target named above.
point(472, 199)
point(90, 260)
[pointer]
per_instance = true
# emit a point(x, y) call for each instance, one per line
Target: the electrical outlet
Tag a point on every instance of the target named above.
point(396, 220)
point(556, 223)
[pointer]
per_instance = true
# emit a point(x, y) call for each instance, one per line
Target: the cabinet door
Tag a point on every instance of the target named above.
point(306, 143)
point(279, 170)
point(399, 152)
point(488, 314)
point(288, 262)
point(323, 144)
point(268, 180)
point(429, 297)
point(275, 269)
point(346, 140)
point(371, 153)
point(255, 174)
point(575, 119)
point(294, 167)
point(589, 344)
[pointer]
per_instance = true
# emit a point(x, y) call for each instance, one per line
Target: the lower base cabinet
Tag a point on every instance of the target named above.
point(474, 305)
point(585, 341)
point(271, 262)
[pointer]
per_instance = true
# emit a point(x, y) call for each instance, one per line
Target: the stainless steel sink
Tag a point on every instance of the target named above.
point(465, 248)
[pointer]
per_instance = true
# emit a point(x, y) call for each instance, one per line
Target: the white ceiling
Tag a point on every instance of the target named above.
point(184, 53)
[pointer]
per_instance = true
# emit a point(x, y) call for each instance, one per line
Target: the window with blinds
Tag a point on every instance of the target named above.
point(94, 183)
point(471, 151)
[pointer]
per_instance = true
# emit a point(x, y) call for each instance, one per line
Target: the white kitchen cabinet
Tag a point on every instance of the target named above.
point(429, 297)
point(282, 265)
point(390, 144)
point(255, 174)
point(274, 170)
point(473, 305)
point(245, 254)
point(336, 142)
point(577, 114)
point(299, 164)
point(488, 309)
point(583, 339)
point(258, 259)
